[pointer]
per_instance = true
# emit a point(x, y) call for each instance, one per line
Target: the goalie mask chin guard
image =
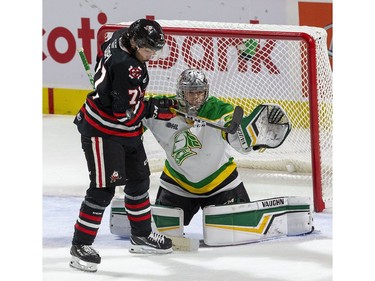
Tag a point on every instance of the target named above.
point(191, 80)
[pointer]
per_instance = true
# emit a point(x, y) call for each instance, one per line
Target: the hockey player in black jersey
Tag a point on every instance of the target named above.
point(110, 126)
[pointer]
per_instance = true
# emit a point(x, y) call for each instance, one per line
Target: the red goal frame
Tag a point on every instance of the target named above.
point(319, 204)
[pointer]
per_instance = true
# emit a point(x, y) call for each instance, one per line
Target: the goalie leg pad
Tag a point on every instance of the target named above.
point(256, 221)
point(299, 222)
point(165, 220)
point(168, 220)
point(119, 223)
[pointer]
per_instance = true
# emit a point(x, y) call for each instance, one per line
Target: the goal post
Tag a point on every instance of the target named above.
point(249, 64)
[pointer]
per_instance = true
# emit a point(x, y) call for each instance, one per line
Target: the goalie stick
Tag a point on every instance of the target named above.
point(231, 129)
point(184, 244)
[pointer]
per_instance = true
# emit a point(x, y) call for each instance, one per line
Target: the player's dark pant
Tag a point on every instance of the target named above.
point(114, 162)
point(191, 205)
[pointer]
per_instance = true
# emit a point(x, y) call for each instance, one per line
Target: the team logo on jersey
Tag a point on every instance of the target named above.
point(115, 176)
point(135, 72)
point(184, 142)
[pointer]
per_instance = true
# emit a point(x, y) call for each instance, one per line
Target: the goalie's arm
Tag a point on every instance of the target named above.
point(266, 127)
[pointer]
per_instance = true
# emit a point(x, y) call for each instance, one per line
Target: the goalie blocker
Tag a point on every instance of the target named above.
point(227, 224)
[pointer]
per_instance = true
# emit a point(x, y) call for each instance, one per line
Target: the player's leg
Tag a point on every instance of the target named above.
point(106, 169)
point(138, 206)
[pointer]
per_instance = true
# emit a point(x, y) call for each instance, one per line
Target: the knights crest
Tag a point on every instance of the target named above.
point(135, 72)
point(184, 142)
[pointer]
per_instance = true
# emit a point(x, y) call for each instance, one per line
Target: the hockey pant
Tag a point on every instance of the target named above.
point(112, 163)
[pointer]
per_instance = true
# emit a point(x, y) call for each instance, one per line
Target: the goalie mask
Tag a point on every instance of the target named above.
point(146, 34)
point(192, 90)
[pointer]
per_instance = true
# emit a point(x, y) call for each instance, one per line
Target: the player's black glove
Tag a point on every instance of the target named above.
point(159, 108)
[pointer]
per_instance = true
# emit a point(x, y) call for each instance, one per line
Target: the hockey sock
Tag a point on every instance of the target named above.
point(139, 214)
point(88, 222)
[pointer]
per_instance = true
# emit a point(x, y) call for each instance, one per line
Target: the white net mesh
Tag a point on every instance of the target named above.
point(250, 64)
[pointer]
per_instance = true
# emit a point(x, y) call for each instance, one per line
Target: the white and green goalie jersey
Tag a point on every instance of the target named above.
point(198, 160)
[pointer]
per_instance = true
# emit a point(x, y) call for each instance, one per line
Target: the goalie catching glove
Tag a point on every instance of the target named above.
point(159, 108)
point(266, 127)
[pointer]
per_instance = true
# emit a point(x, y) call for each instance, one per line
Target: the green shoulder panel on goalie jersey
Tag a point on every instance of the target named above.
point(215, 109)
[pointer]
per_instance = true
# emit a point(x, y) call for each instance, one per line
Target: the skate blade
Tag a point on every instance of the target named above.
point(83, 265)
point(143, 249)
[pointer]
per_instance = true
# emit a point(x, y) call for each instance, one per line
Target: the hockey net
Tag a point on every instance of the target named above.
point(249, 64)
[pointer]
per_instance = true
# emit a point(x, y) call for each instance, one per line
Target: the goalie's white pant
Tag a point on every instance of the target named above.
point(229, 224)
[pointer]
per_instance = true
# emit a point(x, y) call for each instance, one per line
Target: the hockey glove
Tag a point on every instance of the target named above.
point(159, 108)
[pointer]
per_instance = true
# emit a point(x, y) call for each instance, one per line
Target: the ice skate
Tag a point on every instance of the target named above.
point(84, 258)
point(155, 243)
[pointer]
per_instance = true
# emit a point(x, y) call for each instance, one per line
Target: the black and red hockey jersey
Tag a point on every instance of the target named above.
point(117, 105)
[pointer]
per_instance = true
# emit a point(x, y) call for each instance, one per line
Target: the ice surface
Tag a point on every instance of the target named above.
point(65, 180)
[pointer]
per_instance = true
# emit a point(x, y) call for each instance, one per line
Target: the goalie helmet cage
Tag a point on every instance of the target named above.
point(249, 64)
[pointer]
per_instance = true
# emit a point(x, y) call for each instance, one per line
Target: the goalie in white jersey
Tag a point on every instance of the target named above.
point(199, 170)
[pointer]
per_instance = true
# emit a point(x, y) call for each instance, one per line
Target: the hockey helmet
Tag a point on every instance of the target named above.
point(192, 80)
point(146, 33)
